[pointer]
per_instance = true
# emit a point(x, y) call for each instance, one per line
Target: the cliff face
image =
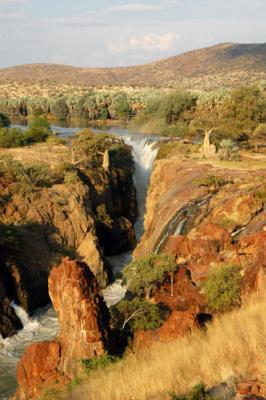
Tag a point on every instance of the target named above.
point(205, 216)
point(40, 225)
point(208, 213)
point(84, 329)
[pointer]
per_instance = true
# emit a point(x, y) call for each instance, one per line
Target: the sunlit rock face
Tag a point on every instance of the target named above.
point(82, 313)
point(84, 330)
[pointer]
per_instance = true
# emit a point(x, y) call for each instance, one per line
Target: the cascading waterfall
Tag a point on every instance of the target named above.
point(44, 324)
point(144, 153)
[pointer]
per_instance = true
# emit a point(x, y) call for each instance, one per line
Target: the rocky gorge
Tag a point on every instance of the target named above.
point(204, 214)
point(42, 222)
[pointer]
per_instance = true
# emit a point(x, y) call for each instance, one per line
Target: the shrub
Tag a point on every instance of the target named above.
point(38, 131)
point(222, 288)
point(228, 151)
point(12, 137)
point(144, 274)
point(4, 121)
point(138, 313)
point(98, 362)
point(213, 182)
point(198, 392)
point(103, 215)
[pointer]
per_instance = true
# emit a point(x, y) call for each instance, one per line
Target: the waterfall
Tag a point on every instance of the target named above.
point(44, 324)
point(144, 154)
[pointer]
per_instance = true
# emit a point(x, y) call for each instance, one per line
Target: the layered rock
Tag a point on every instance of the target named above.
point(84, 330)
point(82, 314)
point(63, 219)
point(206, 225)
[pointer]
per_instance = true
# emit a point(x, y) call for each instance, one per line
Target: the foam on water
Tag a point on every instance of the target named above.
point(44, 325)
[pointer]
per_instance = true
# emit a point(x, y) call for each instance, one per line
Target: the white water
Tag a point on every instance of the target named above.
point(44, 325)
point(144, 154)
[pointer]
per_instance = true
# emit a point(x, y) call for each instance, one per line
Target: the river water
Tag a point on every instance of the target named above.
point(44, 325)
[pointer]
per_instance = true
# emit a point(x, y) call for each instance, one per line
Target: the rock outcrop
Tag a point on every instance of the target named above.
point(179, 324)
point(84, 330)
point(82, 313)
point(88, 217)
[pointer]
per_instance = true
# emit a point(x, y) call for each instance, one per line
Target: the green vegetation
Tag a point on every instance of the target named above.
point(98, 362)
point(222, 288)
point(4, 121)
point(103, 215)
point(27, 177)
point(198, 392)
point(144, 274)
point(39, 131)
point(138, 313)
point(228, 151)
point(213, 182)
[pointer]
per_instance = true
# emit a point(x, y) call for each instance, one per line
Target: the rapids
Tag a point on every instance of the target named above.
point(43, 325)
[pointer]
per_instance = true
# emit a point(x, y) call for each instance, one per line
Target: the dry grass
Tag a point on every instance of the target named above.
point(232, 348)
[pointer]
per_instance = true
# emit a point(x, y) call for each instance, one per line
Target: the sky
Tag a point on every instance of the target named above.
point(119, 33)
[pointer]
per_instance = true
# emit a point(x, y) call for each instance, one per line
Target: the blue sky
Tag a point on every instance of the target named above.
point(114, 33)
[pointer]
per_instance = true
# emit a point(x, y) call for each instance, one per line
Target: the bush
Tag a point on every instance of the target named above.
point(213, 182)
point(12, 137)
point(222, 288)
point(144, 274)
point(138, 313)
point(98, 362)
point(4, 121)
point(38, 131)
point(198, 392)
point(228, 151)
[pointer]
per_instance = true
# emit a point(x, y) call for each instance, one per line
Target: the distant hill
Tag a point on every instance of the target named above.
point(225, 64)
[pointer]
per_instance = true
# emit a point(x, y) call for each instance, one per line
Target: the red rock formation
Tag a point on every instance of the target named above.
point(82, 313)
point(252, 390)
point(186, 295)
point(84, 320)
point(177, 325)
point(38, 366)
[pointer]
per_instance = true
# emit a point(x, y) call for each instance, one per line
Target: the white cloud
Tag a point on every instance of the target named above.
point(133, 7)
point(150, 42)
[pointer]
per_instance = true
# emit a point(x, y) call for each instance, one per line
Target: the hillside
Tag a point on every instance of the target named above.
point(221, 65)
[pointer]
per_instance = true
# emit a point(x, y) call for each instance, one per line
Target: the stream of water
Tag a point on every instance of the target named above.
point(44, 325)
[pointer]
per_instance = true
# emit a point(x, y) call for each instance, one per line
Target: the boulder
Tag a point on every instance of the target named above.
point(179, 324)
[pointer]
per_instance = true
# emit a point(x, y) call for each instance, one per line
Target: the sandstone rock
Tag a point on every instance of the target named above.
point(186, 295)
point(253, 390)
point(177, 325)
point(82, 313)
point(38, 365)
point(84, 331)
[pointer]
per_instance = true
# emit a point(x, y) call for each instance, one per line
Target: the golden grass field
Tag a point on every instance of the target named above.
point(232, 348)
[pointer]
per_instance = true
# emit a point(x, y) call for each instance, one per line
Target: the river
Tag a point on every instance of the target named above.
point(43, 325)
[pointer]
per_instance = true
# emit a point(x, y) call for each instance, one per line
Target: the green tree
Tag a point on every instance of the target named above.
point(138, 313)
point(59, 108)
point(259, 134)
point(228, 151)
point(12, 137)
point(222, 288)
point(144, 274)
point(4, 121)
point(38, 131)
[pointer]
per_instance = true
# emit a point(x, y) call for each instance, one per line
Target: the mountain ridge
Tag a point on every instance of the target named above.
point(225, 64)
